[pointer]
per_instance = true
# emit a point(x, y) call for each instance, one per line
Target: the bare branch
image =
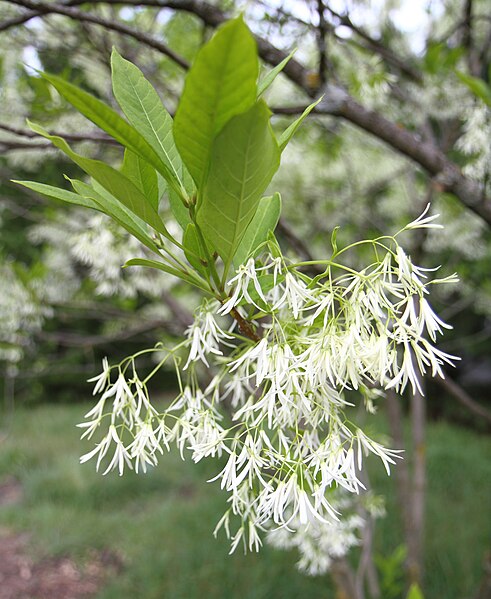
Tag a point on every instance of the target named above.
point(69, 339)
point(74, 137)
point(461, 395)
point(321, 43)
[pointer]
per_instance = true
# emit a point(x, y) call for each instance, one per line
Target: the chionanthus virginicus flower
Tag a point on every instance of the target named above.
point(277, 408)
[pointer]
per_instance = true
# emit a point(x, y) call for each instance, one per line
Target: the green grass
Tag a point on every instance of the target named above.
point(161, 522)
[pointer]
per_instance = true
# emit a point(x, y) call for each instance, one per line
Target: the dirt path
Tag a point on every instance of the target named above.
point(22, 577)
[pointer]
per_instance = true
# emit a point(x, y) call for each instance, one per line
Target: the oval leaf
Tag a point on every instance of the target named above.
point(220, 85)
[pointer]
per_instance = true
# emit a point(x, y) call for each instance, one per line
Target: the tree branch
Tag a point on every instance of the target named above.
point(378, 46)
point(456, 391)
point(74, 137)
point(69, 339)
point(78, 15)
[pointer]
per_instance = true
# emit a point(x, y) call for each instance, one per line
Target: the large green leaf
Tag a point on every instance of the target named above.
point(143, 175)
point(288, 133)
point(265, 220)
point(143, 108)
point(220, 85)
point(244, 158)
point(60, 194)
point(113, 208)
point(115, 182)
point(110, 121)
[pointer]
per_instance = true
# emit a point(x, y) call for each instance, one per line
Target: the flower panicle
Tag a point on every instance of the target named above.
point(276, 409)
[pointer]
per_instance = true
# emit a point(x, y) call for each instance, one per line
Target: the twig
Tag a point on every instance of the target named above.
point(456, 391)
point(378, 46)
point(74, 137)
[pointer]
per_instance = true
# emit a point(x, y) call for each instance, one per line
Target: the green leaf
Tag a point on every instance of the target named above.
point(272, 74)
point(143, 175)
point(477, 86)
point(154, 264)
point(220, 85)
point(143, 108)
point(288, 133)
point(244, 158)
point(112, 123)
point(115, 182)
point(180, 212)
point(265, 220)
point(334, 237)
point(59, 194)
point(168, 269)
point(118, 212)
point(193, 250)
point(414, 592)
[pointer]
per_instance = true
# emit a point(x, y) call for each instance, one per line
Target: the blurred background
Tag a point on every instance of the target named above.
point(406, 120)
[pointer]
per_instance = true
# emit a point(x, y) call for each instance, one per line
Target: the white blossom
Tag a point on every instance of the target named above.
point(290, 445)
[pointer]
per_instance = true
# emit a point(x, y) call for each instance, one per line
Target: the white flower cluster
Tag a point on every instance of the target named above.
point(80, 237)
point(475, 141)
point(277, 406)
point(21, 314)
point(321, 543)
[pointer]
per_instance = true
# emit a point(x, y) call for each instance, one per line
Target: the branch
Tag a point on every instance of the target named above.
point(68, 339)
point(379, 47)
point(448, 176)
point(456, 391)
point(74, 137)
point(78, 15)
point(8, 146)
point(321, 33)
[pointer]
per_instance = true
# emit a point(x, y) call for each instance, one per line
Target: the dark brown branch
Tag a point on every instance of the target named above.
point(294, 241)
point(73, 137)
point(321, 43)
point(344, 579)
point(448, 176)
point(245, 326)
point(456, 391)
point(8, 146)
point(467, 34)
point(180, 313)
point(415, 533)
point(69, 339)
point(78, 15)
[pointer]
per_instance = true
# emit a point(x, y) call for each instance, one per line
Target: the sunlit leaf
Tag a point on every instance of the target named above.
point(272, 74)
point(288, 133)
point(265, 220)
point(244, 158)
point(220, 85)
point(143, 108)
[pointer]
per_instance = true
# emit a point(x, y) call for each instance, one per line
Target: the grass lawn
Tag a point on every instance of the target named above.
point(160, 523)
